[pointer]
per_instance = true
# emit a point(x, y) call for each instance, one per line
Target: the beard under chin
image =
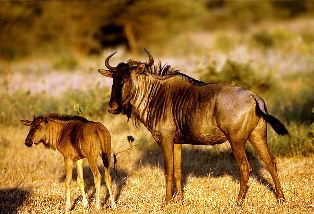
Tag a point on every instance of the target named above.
point(46, 145)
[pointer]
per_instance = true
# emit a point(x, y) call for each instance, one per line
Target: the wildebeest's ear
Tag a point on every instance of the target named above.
point(104, 72)
point(140, 69)
point(26, 122)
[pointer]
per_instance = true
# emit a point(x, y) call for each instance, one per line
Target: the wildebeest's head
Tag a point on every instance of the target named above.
point(37, 132)
point(122, 82)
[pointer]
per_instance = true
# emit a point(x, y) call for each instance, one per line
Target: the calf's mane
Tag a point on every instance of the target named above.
point(66, 117)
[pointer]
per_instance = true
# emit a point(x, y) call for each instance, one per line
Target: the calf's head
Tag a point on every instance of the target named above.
point(37, 132)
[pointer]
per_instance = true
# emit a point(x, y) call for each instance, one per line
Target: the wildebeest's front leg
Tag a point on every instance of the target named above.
point(167, 151)
point(178, 169)
point(80, 181)
point(68, 168)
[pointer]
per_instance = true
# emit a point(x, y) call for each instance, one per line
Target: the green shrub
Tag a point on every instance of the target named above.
point(235, 73)
point(67, 62)
point(298, 144)
point(263, 39)
point(291, 98)
point(224, 43)
point(23, 105)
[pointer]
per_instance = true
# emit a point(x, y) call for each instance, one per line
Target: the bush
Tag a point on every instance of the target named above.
point(67, 62)
point(298, 144)
point(23, 105)
point(235, 73)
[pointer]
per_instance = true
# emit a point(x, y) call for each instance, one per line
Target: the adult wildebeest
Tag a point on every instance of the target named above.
point(178, 109)
point(75, 138)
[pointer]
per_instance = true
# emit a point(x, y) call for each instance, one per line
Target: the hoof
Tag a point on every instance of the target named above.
point(239, 202)
point(281, 200)
point(179, 199)
point(85, 203)
point(98, 207)
point(113, 205)
point(163, 204)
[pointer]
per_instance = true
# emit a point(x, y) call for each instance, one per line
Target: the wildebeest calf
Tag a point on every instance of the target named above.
point(75, 138)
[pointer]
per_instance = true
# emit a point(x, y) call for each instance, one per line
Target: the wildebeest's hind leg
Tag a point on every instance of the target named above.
point(178, 169)
point(93, 165)
point(80, 181)
point(68, 168)
point(238, 149)
point(258, 139)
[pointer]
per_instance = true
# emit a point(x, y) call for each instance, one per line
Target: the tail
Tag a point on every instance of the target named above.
point(261, 110)
point(105, 159)
point(105, 145)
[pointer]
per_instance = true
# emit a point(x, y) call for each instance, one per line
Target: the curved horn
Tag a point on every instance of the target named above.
point(150, 57)
point(107, 61)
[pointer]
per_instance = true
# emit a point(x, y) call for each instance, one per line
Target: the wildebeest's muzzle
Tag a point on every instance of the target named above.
point(114, 108)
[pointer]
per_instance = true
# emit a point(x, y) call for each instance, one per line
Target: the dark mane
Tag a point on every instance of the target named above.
point(66, 117)
point(167, 71)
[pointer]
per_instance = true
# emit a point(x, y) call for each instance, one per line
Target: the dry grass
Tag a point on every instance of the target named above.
point(32, 180)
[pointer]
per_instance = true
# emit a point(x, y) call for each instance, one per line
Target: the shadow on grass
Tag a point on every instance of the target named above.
point(207, 163)
point(119, 178)
point(11, 199)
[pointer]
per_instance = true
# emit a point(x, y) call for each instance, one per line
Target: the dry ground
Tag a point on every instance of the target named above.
point(32, 181)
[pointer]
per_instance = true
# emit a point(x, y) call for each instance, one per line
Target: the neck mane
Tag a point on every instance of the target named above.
point(151, 94)
point(166, 71)
point(56, 126)
point(146, 90)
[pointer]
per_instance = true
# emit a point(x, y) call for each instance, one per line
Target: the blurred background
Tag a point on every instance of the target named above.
point(34, 28)
point(50, 52)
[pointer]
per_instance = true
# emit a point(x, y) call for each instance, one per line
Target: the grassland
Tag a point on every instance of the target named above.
point(32, 180)
point(276, 62)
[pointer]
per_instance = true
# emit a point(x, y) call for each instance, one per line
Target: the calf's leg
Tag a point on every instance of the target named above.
point(96, 174)
point(109, 186)
point(80, 181)
point(68, 168)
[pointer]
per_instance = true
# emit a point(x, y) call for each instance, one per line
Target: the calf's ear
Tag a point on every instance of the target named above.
point(26, 122)
point(105, 73)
